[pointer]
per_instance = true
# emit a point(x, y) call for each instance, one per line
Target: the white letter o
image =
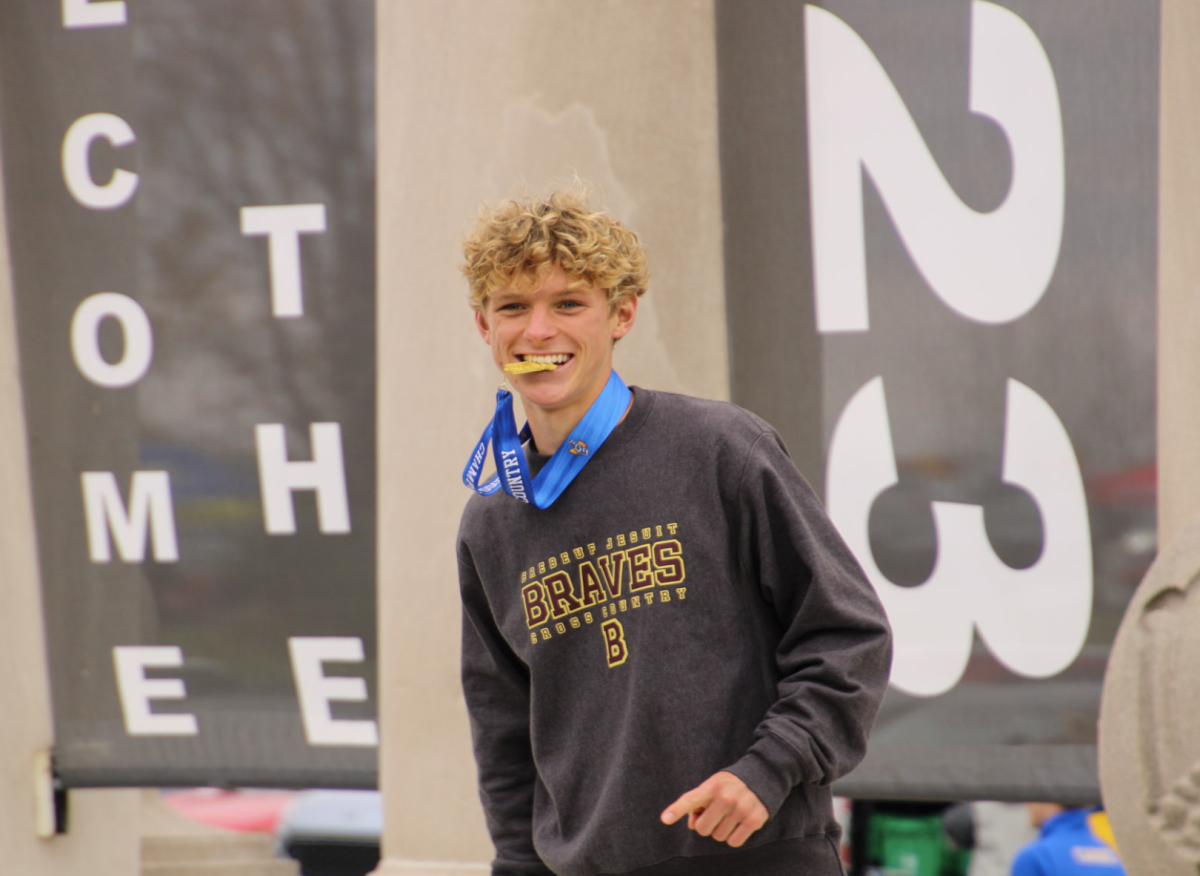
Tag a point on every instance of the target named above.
point(85, 340)
point(76, 147)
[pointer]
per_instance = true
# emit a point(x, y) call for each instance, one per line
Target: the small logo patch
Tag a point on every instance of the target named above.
point(577, 447)
point(1095, 856)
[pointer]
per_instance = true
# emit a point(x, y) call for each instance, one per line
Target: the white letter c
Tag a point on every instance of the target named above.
point(76, 149)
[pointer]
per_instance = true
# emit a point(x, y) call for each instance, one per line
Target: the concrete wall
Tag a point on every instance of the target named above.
point(481, 102)
point(1179, 271)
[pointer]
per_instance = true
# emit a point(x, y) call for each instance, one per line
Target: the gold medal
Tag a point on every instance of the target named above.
point(528, 367)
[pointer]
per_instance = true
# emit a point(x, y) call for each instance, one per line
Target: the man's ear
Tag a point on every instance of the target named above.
point(625, 314)
point(485, 330)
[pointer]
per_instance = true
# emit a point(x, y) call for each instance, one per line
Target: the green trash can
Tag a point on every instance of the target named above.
point(907, 845)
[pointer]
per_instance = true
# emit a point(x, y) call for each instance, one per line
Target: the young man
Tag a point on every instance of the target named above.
point(677, 634)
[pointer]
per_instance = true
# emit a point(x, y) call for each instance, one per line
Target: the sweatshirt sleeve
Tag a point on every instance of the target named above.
point(496, 686)
point(834, 652)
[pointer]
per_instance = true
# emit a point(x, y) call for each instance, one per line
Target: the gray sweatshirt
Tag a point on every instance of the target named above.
point(684, 607)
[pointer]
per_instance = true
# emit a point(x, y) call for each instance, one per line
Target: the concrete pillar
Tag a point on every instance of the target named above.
point(484, 101)
point(1179, 271)
point(103, 837)
point(1149, 750)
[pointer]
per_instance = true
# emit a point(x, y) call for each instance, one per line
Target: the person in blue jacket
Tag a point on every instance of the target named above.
point(1072, 842)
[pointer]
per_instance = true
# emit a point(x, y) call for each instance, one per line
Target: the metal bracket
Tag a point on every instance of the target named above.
point(49, 797)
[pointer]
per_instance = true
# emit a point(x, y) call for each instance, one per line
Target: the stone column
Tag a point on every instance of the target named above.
point(1149, 747)
point(1179, 271)
point(485, 101)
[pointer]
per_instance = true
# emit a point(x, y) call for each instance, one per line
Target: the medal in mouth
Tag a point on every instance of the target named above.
point(528, 367)
point(531, 362)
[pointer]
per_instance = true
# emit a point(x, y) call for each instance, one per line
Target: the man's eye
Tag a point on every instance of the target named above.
point(571, 305)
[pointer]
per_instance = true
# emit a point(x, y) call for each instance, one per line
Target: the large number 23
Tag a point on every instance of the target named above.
point(988, 267)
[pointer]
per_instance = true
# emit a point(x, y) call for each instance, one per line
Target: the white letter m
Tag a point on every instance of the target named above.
point(150, 513)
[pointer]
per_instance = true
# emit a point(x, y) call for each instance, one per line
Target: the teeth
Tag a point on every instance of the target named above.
point(550, 359)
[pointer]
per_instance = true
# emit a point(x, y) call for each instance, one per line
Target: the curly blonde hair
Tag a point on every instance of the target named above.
point(529, 239)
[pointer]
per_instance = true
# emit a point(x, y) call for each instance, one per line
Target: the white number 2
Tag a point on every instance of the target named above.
point(989, 267)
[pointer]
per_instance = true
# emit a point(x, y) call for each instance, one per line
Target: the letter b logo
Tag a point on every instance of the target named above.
point(614, 642)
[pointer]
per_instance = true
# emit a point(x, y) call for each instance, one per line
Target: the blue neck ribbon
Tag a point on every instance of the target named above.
point(512, 471)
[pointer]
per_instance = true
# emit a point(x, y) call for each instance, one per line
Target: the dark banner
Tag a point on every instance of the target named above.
point(940, 260)
point(190, 197)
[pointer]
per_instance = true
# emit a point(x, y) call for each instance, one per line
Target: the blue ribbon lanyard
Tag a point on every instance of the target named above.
point(512, 472)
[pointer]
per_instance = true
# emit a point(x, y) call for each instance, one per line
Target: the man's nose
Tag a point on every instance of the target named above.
point(540, 325)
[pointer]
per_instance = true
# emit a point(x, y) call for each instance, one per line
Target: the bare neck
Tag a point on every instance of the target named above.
point(551, 428)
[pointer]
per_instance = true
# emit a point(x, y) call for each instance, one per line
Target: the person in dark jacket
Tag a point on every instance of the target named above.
point(660, 623)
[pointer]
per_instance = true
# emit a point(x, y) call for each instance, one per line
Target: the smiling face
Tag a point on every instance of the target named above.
point(548, 321)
